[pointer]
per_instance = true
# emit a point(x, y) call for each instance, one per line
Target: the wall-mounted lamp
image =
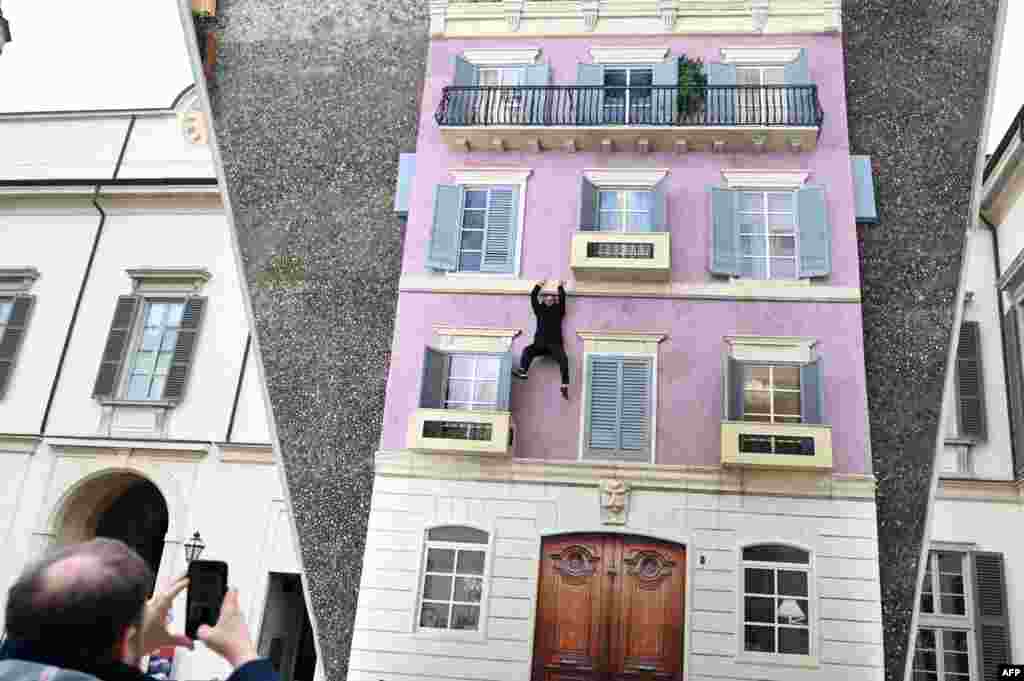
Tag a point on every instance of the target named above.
point(5, 31)
point(194, 548)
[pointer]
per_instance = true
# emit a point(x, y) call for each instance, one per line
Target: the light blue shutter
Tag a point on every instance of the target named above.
point(443, 251)
point(799, 101)
point(434, 379)
point(659, 207)
point(635, 425)
point(603, 409)
point(536, 100)
point(720, 103)
point(588, 206)
point(733, 385)
point(665, 74)
point(725, 242)
point(812, 392)
point(864, 189)
point(502, 224)
point(797, 72)
point(590, 103)
point(504, 382)
point(462, 103)
point(466, 74)
point(815, 235)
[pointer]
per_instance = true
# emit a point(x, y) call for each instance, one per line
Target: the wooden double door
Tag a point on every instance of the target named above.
point(610, 608)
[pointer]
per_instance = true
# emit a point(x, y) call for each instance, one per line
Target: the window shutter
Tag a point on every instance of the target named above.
point(435, 376)
point(443, 251)
point(734, 390)
point(665, 74)
point(184, 349)
point(12, 336)
point(588, 206)
point(1011, 345)
point(603, 409)
point(502, 223)
point(466, 74)
point(970, 383)
point(725, 241)
point(463, 104)
point(799, 103)
point(659, 207)
point(590, 103)
point(991, 617)
point(812, 392)
point(797, 72)
point(505, 382)
point(117, 345)
point(635, 418)
point(720, 102)
point(536, 100)
point(815, 235)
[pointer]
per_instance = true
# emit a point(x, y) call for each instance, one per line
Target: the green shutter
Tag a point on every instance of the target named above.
point(991, 616)
point(665, 74)
point(812, 392)
point(720, 103)
point(116, 346)
point(434, 379)
point(725, 241)
point(588, 206)
point(12, 337)
point(505, 382)
point(635, 418)
point(443, 251)
point(659, 207)
point(184, 349)
point(733, 386)
point(970, 383)
point(502, 225)
point(590, 103)
point(1015, 400)
point(535, 102)
point(603, 406)
point(815, 235)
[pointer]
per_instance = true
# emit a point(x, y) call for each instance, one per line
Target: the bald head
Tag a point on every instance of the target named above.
point(79, 601)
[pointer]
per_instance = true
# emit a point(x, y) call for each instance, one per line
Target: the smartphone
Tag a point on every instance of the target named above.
point(207, 585)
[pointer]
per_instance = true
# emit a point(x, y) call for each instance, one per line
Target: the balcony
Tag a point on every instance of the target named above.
point(645, 119)
point(459, 431)
point(621, 256)
point(776, 445)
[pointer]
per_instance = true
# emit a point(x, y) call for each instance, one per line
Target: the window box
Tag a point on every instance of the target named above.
point(462, 431)
point(621, 255)
point(777, 445)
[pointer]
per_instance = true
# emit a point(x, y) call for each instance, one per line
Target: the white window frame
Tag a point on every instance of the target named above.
point(473, 380)
point(6, 302)
point(813, 624)
point(754, 116)
point(629, 69)
point(480, 633)
point(772, 366)
point(496, 103)
point(624, 194)
point(135, 344)
point(940, 622)
point(766, 214)
point(488, 177)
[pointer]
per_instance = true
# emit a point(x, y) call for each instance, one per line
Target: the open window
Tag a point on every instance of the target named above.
point(777, 616)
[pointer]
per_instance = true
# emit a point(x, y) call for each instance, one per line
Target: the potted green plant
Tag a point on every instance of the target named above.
point(692, 88)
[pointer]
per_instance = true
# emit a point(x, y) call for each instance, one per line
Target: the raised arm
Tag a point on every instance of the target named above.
point(534, 299)
point(561, 297)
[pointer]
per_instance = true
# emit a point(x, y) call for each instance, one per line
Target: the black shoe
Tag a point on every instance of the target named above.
point(519, 373)
point(565, 391)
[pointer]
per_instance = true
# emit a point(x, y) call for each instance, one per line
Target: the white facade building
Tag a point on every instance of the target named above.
point(971, 617)
point(131, 402)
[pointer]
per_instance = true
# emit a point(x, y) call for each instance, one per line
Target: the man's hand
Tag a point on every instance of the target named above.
point(561, 282)
point(542, 282)
point(155, 633)
point(230, 638)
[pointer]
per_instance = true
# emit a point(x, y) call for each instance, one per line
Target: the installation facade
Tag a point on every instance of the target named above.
point(702, 505)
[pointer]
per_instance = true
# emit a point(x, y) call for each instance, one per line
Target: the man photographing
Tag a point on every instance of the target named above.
point(547, 342)
point(80, 614)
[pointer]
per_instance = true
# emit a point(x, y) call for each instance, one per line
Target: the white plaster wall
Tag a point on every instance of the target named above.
point(158, 148)
point(251, 424)
point(29, 237)
point(841, 534)
point(993, 526)
point(83, 148)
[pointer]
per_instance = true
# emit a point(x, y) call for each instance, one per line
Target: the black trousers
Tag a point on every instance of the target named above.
point(554, 351)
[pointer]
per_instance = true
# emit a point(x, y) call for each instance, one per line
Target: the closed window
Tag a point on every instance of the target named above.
point(465, 381)
point(942, 654)
point(776, 600)
point(619, 405)
point(623, 210)
point(473, 381)
point(453, 578)
point(6, 306)
point(14, 316)
point(759, 99)
point(502, 102)
point(153, 349)
point(771, 394)
point(475, 229)
point(768, 240)
point(627, 94)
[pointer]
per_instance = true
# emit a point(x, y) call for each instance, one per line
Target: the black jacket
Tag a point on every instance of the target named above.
point(549, 318)
point(21, 661)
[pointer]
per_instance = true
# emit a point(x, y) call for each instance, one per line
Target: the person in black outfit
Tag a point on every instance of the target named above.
point(547, 342)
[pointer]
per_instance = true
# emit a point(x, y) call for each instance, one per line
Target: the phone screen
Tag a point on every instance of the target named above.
point(208, 582)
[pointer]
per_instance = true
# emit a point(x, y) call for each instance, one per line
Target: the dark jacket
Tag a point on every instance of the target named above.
point(549, 318)
point(20, 661)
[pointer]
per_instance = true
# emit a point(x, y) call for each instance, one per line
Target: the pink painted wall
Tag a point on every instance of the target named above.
point(689, 367)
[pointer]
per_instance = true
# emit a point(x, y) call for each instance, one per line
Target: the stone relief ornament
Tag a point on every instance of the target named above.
point(614, 502)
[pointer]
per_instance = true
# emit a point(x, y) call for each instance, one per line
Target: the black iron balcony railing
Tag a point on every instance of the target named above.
point(580, 105)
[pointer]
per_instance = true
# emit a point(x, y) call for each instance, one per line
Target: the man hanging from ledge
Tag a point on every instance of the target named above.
point(547, 342)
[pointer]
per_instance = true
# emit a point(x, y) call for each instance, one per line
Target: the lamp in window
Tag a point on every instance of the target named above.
point(5, 31)
point(790, 613)
point(194, 547)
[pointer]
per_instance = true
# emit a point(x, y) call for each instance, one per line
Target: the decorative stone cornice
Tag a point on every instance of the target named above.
point(163, 279)
point(490, 175)
point(764, 179)
point(17, 279)
point(644, 178)
point(622, 336)
point(966, 489)
point(501, 56)
point(476, 331)
point(760, 56)
point(771, 348)
point(628, 55)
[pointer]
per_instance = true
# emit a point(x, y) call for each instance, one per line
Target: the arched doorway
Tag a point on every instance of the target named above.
point(120, 505)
